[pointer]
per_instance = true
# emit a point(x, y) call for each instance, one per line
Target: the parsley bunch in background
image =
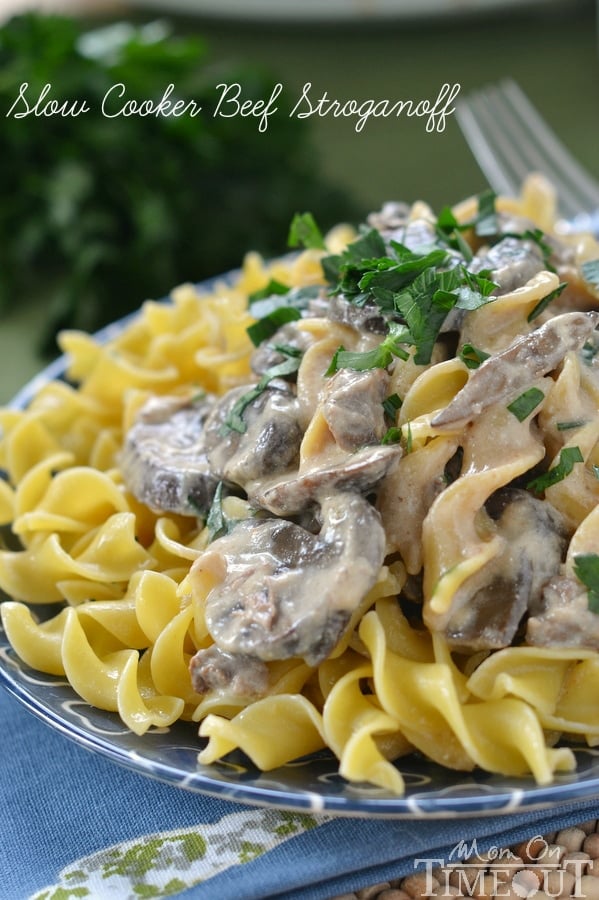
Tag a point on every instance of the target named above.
point(98, 214)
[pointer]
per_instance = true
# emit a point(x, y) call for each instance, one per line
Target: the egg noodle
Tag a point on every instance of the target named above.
point(132, 615)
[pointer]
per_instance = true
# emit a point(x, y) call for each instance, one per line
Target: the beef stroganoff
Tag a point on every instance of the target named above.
point(347, 500)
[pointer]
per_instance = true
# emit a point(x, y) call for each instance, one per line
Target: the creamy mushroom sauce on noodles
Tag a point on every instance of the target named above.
point(349, 500)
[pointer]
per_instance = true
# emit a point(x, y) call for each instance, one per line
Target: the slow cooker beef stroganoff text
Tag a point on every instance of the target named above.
point(348, 500)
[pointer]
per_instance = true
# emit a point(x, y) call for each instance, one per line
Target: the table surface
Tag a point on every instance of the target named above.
point(551, 50)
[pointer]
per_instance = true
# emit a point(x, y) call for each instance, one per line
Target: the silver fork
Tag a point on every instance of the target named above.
point(509, 139)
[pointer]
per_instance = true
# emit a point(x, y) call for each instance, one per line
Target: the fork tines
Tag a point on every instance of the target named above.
point(510, 139)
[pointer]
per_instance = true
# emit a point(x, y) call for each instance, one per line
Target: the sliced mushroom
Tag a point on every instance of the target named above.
point(266, 355)
point(353, 407)
point(213, 669)
point(270, 442)
point(284, 592)
point(365, 317)
point(164, 462)
point(416, 232)
point(503, 376)
point(512, 262)
point(564, 618)
point(393, 214)
point(490, 605)
point(358, 472)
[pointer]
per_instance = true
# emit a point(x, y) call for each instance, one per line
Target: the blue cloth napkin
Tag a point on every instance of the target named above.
point(76, 824)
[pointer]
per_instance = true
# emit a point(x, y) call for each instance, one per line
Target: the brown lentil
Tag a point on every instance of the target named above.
point(446, 890)
point(392, 894)
point(571, 838)
point(529, 850)
point(589, 887)
point(418, 884)
point(577, 863)
point(591, 845)
point(373, 891)
point(559, 883)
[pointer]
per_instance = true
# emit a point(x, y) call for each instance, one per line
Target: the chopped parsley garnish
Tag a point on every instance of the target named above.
point(586, 568)
point(589, 352)
point(523, 405)
point(567, 426)
point(287, 350)
point(471, 356)
point(485, 222)
point(424, 305)
point(234, 420)
point(298, 298)
point(361, 255)
point(447, 222)
point(567, 459)
point(378, 358)
point(271, 289)
point(386, 277)
point(545, 301)
point(449, 232)
point(276, 309)
point(416, 287)
point(395, 434)
point(476, 289)
point(590, 271)
point(267, 326)
point(392, 435)
point(216, 522)
point(391, 405)
point(304, 232)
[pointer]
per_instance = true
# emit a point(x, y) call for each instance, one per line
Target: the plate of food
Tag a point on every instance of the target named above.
point(323, 533)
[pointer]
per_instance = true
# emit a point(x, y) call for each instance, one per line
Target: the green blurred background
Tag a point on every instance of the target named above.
point(550, 49)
